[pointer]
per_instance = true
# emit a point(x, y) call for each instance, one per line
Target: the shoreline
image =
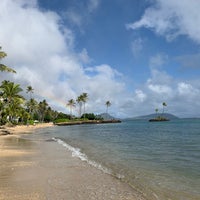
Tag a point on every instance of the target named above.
point(88, 122)
point(21, 129)
point(41, 169)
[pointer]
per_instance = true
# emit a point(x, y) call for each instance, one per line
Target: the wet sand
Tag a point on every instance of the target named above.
point(39, 169)
point(20, 129)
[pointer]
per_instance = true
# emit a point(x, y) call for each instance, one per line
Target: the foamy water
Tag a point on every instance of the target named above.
point(77, 153)
point(161, 160)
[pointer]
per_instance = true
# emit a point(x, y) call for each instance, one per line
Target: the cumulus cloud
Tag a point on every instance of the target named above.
point(180, 96)
point(42, 52)
point(171, 19)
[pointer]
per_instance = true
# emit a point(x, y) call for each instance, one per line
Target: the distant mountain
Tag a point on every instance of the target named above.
point(152, 116)
point(106, 116)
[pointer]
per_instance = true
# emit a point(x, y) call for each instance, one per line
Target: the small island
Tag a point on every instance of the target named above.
point(159, 118)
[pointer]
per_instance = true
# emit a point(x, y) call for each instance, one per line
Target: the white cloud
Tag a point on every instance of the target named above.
point(172, 18)
point(42, 53)
point(140, 95)
point(84, 57)
point(160, 89)
point(187, 90)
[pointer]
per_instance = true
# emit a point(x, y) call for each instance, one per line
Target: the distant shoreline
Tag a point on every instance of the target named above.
point(87, 122)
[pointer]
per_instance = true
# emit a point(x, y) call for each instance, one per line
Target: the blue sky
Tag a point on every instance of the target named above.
point(135, 53)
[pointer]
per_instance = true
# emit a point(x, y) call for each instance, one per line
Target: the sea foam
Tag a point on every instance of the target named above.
point(76, 152)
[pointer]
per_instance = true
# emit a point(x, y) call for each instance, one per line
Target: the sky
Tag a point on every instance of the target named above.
point(136, 54)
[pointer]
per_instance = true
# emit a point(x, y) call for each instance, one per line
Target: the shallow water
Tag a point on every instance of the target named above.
point(161, 160)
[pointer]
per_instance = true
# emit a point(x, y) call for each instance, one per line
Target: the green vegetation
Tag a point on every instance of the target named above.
point(161, 117)
point(4, 68)
point(91, 116)
point(16, 109)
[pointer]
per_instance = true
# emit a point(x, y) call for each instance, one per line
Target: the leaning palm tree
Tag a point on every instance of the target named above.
point(71, 103)
point(108, 104)
point(4, 68)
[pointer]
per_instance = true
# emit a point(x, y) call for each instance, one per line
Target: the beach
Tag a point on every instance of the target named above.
point(42, 169)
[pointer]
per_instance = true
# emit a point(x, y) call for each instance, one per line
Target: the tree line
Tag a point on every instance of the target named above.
point(15, 109)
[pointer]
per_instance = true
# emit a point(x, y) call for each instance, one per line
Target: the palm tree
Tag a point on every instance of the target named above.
point(84, 99)
point(71, 103)
point(42, 108)
point(156, 110)
point(164, 105)
point(79, 100)
point(29, 89)
point(108, 104)
point(4, 68)
point(11, 97)
point(32, 106)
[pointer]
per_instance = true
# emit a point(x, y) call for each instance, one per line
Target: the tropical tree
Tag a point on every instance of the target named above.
point(84, 99)
point(29, 90)
point(156, 110)
point(164, 105)
point(24, 115)
point(10, 93)
point(54, 114)
point(2, 108)
point(42, 108)
point(32, 106)
point(108, 104)
point(79, 100)
point(4, 68)
point(71, 103)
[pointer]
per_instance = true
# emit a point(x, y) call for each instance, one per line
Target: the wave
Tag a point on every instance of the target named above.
point(76, 152)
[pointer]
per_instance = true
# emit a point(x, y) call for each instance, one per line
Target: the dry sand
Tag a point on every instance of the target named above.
point(33, 169)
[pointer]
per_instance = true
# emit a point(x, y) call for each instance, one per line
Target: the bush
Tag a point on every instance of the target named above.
point(90, 116)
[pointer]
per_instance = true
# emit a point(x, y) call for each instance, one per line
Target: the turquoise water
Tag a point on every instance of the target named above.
point(161, 160)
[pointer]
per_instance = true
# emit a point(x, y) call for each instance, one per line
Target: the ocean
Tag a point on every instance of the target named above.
point(159, 159)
